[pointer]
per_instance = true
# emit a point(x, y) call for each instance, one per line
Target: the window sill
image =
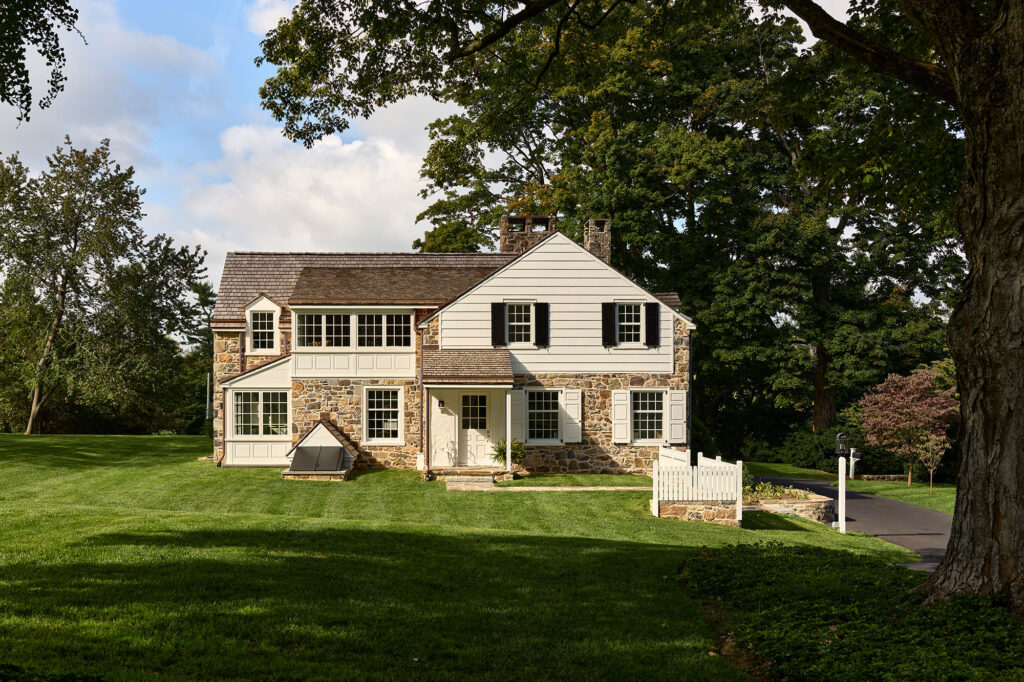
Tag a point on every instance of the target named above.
point(647, 442)
point(521, 345)
point(263, 351)
point(544, 442)
point(383, 442)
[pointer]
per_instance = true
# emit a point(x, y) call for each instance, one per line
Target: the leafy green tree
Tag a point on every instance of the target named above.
point(343, 58)
point(111, 299)
point(34, 24)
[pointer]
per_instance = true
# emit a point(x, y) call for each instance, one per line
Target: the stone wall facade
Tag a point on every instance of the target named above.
point(721, 513)
point(341, 400)
point(597, 453)
point(816, 507)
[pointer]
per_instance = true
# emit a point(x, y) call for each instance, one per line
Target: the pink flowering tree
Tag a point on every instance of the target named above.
point(901, 411)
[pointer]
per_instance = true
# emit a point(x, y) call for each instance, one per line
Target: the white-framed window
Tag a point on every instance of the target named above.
point(260, 413)
point(371, 330)
point(319, 330)
point(519, 322)
point(337, 330)
point(629, 323)
point(383, 414)
point(647, 415)
point(262, 325)
point(474, 411)
point(543, 422)
point(310, 330)
point(399, 330)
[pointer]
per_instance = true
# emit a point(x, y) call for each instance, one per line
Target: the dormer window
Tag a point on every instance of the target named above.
point(261, 330)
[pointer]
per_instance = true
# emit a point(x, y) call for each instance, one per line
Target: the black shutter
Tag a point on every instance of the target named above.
point(653, 312)
point(498, 324)
point(542, 334)
point(608, 324)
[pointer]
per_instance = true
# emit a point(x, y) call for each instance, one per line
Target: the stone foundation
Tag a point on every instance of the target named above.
point(816, 507)
point(721, 513)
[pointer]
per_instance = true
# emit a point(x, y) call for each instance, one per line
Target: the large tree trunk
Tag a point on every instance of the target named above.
point(44, 359)
point(824, 395)
point(986, 332)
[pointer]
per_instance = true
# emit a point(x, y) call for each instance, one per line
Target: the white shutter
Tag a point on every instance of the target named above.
point(677, 416)
point(620, 416)
point(572, 411)
point(518, 416)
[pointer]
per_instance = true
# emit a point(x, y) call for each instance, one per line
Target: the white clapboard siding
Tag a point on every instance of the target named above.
point(272, 375)
point(575, 284)
point(572, 410)
point(620, 416)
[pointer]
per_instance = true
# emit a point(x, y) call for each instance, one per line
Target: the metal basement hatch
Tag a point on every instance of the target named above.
point(324, 453)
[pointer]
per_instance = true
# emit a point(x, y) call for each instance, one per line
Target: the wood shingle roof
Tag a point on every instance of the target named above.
point(488, 365)
point(384, 285)
point(248, 274)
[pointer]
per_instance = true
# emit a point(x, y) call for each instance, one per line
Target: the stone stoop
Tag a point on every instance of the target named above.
point(468, 475)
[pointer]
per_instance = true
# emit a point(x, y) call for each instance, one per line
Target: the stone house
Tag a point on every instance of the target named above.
point(427, 360)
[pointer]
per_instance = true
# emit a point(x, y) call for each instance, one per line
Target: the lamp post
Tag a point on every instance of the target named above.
point(843, 450)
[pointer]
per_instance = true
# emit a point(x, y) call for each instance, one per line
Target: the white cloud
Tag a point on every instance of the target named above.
point(120, 85)
point(263, 15)
point(266, 193)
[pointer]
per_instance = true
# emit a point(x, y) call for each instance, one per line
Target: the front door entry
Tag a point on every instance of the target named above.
point(474, 431)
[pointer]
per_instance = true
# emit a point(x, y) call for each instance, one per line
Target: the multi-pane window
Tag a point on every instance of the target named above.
point(399, 330)
point(629, 322)
point(382, 413)
point(336, 330)
point(647, 410)
point(519, 321)
point(261, 413)
point(371, 330)
point(474, 412)
point(262, 331)
point(310, 331)
point(274, 405)
point(542, 415)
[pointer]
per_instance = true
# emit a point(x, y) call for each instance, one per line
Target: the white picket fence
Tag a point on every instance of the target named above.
point(711, 480)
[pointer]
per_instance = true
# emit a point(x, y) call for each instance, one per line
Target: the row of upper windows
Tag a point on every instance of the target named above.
point(629, 324)
point(328, 330)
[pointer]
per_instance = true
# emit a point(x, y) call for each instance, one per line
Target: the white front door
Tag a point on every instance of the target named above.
point(474, 430)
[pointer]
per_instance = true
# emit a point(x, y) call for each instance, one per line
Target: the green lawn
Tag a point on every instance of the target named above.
point(125, 557)
point(942, 500)
point(786, 471)
point(580, 480)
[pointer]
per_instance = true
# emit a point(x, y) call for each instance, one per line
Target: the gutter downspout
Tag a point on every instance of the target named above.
point(424, 404)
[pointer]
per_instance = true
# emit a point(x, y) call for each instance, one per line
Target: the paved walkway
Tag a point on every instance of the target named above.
point(919, 529)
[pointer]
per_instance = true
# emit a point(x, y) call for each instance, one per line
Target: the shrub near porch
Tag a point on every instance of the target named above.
point(126, 558)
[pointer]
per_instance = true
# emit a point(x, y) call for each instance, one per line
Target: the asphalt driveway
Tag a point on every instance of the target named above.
point(921, 530)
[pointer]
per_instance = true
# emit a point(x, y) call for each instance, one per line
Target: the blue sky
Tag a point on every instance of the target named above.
point(173, 85)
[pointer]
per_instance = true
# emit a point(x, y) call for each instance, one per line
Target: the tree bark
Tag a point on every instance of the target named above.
point(44, 359)
point(824, 416)
point(986, 332)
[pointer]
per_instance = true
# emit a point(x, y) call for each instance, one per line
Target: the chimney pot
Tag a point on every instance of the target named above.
point(517, 234)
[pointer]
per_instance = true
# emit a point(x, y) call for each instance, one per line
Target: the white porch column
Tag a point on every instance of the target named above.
point(508, 429)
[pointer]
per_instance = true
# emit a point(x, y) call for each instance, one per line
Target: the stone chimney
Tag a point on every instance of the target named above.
point(597, 238)
point(519, 233)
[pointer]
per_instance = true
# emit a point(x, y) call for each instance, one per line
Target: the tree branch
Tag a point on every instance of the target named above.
point(930, 78)
point(530, 10)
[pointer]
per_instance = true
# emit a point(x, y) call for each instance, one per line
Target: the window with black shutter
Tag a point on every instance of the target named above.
point(542, 331)
point(608, 336)
point(652, 312)
point(498, 324)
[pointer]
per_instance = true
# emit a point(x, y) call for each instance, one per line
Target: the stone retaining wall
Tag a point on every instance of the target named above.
point(880, 477)
point(722, 513)
point(816, 507)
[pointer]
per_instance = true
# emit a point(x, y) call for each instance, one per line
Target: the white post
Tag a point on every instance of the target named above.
point(508, 430)
point(655, 500)
point(739, 491)
point(842, 495)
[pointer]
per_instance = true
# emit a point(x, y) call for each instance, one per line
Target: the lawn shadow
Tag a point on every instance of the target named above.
point(359, 603)
point(760, 520)
point(79, 452)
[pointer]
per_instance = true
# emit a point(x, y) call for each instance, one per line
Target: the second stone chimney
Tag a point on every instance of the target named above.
point(597, 238)
point(518, 233)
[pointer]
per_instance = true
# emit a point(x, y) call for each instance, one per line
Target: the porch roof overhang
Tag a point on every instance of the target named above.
point(467, 367)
